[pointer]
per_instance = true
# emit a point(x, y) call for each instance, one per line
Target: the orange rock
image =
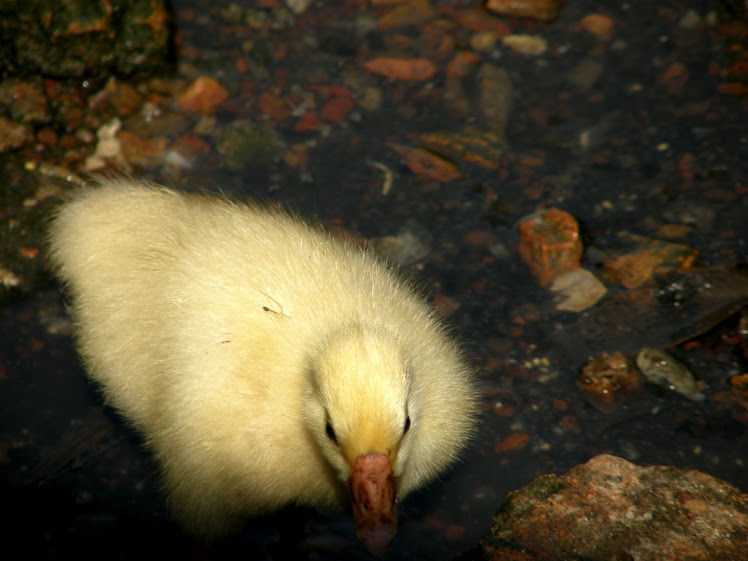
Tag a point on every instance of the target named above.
point(188, 144)
point(462, 63)
point(427, 163)
point(202, 95)
point(143, 152)
point(515, 441)
point(124, 97)
point(535, 9)
point(607, 379)
point(411, 13)
point(471, 145)
point(297, 156)
point(599, 25)
point(47, 136)
point(336, 108)
point(733, 88)
point(273, 106)
point(648, 259)
point(560, 405)
point(549, 244)
point(308, 121)
point(675, 78)
point(29, 252)
point(477, 19)
point(338, 91)
point(438, 40)
point(418, 69)
point(739, 384)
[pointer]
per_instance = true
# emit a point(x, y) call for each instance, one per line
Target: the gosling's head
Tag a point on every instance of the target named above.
point(363, 412)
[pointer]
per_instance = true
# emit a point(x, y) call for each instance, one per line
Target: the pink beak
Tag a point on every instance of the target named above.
point(372, 490)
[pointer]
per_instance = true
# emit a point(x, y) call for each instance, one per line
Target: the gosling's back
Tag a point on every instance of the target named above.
point(199, 318)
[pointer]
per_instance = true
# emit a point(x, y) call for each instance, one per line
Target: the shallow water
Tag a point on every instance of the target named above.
point(664, 151)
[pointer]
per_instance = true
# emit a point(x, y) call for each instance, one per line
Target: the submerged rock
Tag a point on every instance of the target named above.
point(607, 379)
point(246, 146)
point(610, 509)
point(577, 290)
point(532, 9)
point(550, 244)
point(662, 369)
point(667, 311)
point(648, 258)
point(85, 39)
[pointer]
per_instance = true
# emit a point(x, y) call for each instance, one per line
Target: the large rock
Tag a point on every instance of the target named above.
point(611, 510)
point(84, 38)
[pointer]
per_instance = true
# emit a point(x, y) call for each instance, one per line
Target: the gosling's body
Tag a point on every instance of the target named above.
point(265, 362)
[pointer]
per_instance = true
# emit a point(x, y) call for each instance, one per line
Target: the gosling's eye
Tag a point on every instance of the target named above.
point(406, 427)
point(331, 433)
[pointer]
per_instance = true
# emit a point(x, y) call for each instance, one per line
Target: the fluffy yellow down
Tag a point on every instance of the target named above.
point(258, 356)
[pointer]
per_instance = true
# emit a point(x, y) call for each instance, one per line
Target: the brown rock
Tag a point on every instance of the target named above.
point(417, 69)
point(13, 135)
point(607, 379)
point(666, 311)
point(647, 259)
point(534, 9)
point(415, 12)
point(337, 107)
point(85, 39)
point(123, 96)
point(599, 25)
point(25, 100)
point(610, 509)
point(202, 95)
point(142, 152)
point(550, 244)
point(739, 385)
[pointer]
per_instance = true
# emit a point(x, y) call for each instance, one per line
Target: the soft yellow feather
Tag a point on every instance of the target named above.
point(231, 335)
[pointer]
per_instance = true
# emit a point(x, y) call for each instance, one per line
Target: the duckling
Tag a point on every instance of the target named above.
point(265, 362)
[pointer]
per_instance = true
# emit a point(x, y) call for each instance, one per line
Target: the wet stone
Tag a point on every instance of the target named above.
point(245, 145)
point(85, 38)
point(739, 385)
point(648, 258)
point(607, 380)
point(25, 100)
point(550, 244)
point(533, 9)
point(577, 290)
point(13, 135)
point(663, 370)
point(669, 310)
point(655, 512)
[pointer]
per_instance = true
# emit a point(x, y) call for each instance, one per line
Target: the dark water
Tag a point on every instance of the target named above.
point(77, 478)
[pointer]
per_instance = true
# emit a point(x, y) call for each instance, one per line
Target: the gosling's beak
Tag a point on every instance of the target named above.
point(372, 490)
